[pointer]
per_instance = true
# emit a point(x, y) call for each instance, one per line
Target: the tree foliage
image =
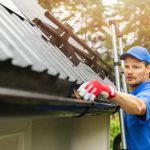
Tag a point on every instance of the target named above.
point(89, 19)
point(134, 15)
point(86, 17)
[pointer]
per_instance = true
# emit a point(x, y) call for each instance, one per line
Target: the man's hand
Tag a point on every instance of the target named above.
point(89, 90)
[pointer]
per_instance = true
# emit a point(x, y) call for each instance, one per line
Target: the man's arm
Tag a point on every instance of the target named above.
point(130, 103)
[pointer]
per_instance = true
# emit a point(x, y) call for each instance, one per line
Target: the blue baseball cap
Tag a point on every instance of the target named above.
point(137, 52)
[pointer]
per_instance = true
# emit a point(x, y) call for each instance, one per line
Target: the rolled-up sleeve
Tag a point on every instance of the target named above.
point(145, 96)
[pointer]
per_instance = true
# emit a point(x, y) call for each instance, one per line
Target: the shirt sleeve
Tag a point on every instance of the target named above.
point(145, 96)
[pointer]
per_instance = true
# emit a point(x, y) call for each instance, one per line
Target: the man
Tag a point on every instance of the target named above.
point(136, 104)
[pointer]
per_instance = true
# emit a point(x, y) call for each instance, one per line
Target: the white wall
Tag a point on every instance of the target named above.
point(85, 133)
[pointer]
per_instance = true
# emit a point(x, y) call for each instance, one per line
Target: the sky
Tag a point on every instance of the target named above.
point(10, 4)
point(109, 2)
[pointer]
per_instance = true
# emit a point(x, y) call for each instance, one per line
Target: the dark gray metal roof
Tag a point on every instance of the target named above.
point(22, 43)
point(25, 49)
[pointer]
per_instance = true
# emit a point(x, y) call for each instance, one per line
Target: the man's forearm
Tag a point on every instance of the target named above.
point(130, 103)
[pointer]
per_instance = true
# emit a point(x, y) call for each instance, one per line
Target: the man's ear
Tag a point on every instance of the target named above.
point(148, 68)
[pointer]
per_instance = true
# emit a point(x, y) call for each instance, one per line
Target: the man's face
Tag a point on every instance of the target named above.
point(135, 71)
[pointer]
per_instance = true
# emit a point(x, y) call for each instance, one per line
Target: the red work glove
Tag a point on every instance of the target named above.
point(89, 90)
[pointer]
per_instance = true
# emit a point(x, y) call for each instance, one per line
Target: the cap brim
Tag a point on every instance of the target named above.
point(123, 56)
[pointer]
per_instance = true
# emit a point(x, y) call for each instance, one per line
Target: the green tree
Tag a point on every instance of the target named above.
point(134, 17)
point(87, 18)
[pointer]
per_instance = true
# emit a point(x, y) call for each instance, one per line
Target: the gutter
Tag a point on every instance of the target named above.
point(21, 103)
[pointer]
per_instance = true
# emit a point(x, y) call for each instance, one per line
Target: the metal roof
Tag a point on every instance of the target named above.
point(22, 43)
point(27, 47)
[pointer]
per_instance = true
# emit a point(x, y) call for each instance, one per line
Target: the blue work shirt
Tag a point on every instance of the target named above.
point(137, 126)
